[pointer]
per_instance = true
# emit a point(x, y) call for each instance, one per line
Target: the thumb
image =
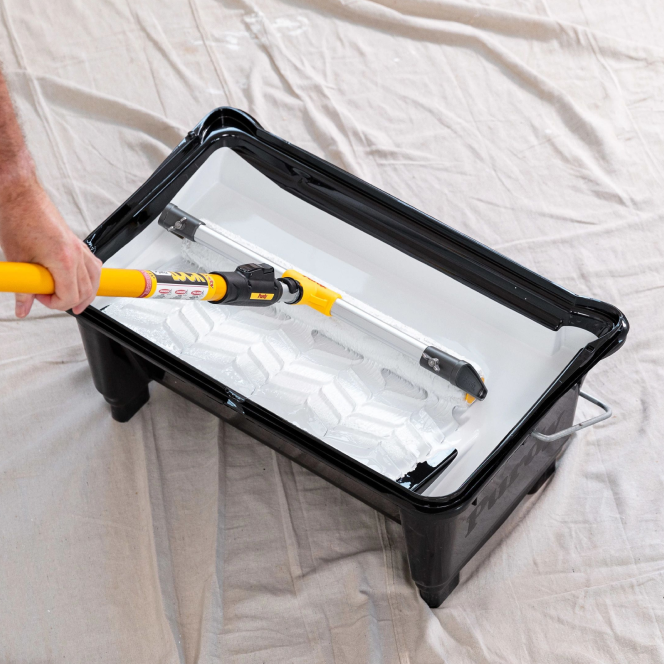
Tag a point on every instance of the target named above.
point(23, 304)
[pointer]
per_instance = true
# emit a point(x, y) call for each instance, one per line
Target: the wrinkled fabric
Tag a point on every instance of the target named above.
point(534, 126)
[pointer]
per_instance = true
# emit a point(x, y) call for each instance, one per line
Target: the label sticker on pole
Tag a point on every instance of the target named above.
point(176, 285)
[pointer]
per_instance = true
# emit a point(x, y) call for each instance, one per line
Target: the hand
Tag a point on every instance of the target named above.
point(33, 231)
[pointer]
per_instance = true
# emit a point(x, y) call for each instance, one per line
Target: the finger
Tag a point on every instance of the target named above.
point(23, 304)
point(85, 290)
point(45, 300)
point(93, 266)
point(79, 308)
point(66, 286)
point(83, 286)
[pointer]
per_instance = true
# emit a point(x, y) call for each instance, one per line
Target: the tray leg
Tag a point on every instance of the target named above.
point(542, 479)
point(434, 597)
point(430, 545)
point(119, 375)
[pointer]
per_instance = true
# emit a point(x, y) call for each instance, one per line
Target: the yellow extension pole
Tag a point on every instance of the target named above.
point(37, 280)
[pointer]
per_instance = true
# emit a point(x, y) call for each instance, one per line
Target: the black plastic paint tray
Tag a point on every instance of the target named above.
point(534, 340)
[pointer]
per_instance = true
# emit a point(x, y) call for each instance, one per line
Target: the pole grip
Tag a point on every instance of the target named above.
point(25, 278)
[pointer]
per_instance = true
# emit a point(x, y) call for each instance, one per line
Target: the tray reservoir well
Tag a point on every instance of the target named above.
point(379, 416)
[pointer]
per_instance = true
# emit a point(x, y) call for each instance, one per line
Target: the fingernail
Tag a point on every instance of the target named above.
point(20, 310)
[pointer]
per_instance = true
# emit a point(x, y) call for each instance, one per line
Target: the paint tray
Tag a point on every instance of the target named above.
point(355, 414)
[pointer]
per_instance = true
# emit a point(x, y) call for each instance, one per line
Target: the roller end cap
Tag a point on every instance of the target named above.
point(458, 372)
point(178, 222)
point(468, 380)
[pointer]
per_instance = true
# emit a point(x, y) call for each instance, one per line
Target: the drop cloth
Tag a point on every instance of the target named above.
point(534, 126)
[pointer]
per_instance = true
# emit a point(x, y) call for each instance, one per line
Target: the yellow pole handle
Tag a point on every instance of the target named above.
point(25, 278)
point(37, 280)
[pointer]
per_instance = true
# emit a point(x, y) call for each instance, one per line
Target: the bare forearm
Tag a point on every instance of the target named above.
point(16, 166)
point(31, 228)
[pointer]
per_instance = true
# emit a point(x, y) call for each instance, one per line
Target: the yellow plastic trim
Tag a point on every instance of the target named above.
point(314, 295)
point(216, 287)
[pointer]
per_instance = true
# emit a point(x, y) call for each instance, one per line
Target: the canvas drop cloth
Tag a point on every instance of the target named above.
point(534, 126)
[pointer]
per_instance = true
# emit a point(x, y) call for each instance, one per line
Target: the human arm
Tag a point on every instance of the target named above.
point(31, 228)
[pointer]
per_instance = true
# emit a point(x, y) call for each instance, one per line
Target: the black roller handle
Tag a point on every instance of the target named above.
point(254, 285)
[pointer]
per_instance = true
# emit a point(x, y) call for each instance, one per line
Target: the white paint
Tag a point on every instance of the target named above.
point(520, 358)
point(342, 397)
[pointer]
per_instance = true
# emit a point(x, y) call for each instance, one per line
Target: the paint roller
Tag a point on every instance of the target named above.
point(254, 283)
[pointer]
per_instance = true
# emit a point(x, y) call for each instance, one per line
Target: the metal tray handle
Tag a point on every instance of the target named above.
point(581, 425)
